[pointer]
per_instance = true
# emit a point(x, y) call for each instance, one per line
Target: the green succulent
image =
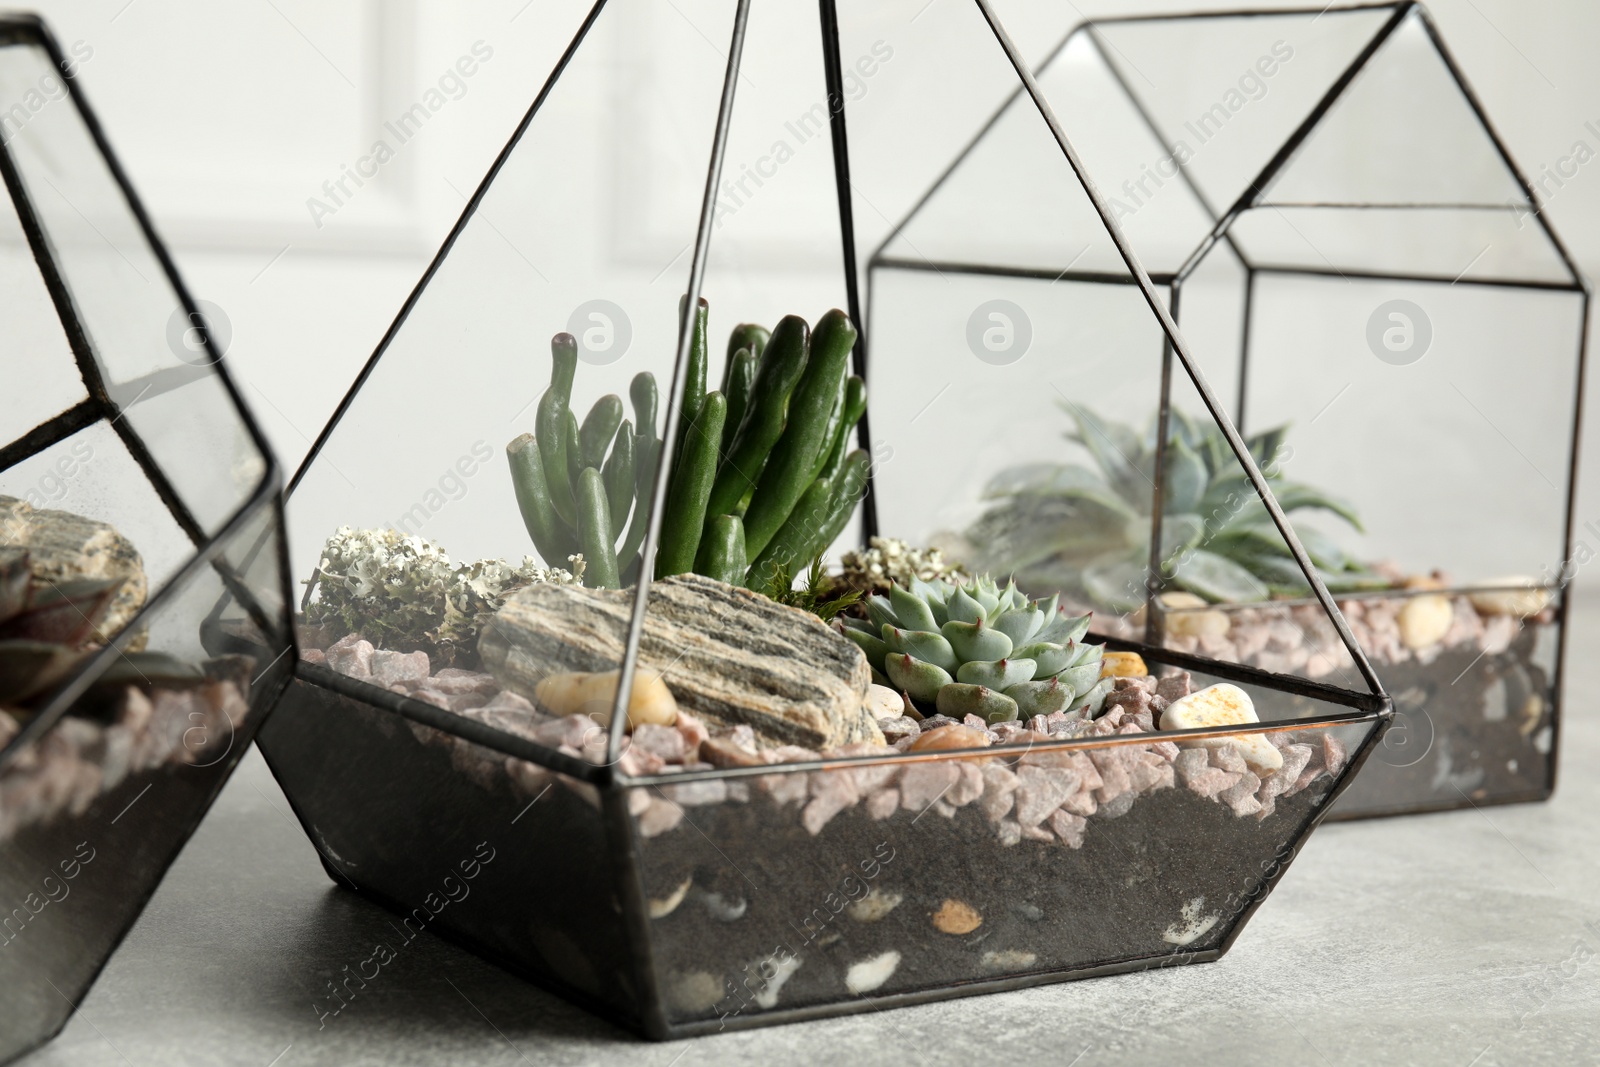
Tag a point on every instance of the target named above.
point(1087, 531)
point(761, 481)
point(976, 649)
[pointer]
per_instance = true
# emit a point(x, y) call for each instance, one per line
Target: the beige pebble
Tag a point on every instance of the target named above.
point(955, 917)
point(592, 695)
point(952, 735)
point(1424, 621)
point(1190, 616)
point(1528, 598)
point(1123, 665)
point(1223, 704)
point(661, 907)
point(883, 703)
point(875, 905)
point(1008, 959)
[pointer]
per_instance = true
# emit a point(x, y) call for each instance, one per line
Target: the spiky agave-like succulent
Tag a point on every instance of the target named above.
point(1066, 526)
point(976, 649)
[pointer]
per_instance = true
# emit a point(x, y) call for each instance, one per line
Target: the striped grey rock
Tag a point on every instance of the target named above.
point(729, 655)
point(62, 546)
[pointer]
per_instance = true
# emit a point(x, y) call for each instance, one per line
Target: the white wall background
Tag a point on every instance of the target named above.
point(231, 116)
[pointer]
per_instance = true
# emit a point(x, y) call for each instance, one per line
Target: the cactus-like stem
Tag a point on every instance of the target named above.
point(599, 427)
point(595, 534)
point(551, 537)
point(855, 406)
point(618, 475)
point(722, 552)
point(692, 477)
point(777, 373)
point(694, 386)
point(787, 473)
point(741, 375)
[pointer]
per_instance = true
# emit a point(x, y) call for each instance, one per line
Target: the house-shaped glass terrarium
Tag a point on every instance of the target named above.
point(641, 735)
point(1374, 293)
point(144, 609)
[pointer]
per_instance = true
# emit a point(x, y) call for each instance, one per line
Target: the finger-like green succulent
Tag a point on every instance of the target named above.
point(976, 649)
point(1087, 531)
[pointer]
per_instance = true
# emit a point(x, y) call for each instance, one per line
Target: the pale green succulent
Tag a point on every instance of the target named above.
point(976, 649)
point(1087, 531)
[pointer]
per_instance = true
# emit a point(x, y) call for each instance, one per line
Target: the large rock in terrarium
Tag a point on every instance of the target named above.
point(65, 547)
point(729, 655)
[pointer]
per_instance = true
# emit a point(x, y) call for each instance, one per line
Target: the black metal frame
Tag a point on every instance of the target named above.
point(29, 31)
point(1373, 707)
point(1222, 231)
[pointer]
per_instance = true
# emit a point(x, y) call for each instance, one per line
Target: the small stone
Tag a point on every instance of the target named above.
point(1009, 959)
point(725, 909)
point(1333, 754)
point(883, 703)
point(969, 786)
point(1192, 616)
point(1173, 686)
point(1295, 760)
point(695, 993)
point(883, 803)
point(864, 976)
point(1122, 665)
point(933, 722)
point(1008, 831)
point(1081, 803)
point(1069, 827)
point(999, 783)
point(1223, 704)
point(831, 793)
point(1424, 621)
point(352, 658)
point(1521, 597)
point(592, 696)
point(507, 701)
point(953, 736)
point(1040, 791)
point(697, 794)
point(662, 741)
point(429, 696)
point(694, 731)
point(1211, 781)
point(659, 817)
point(314, 655)
point(662, 906)
point(1191, 763)
point(875, 905)
point(956, 917)
point(724, 752)
point(901, 726)
point(923, 783)
point(456, 680)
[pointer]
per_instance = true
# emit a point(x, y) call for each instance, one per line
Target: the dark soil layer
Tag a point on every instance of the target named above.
point(1466, 729)
point(400, 821)
point(1110, 900)
point(70, 889)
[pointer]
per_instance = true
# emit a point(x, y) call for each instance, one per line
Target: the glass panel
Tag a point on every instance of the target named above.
point(141, 338)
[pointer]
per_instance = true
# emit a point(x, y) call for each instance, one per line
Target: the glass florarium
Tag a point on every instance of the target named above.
point(1372, 288)
point(144, 602)
point(615, 664)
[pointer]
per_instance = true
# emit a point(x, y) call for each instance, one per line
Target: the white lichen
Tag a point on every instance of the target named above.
point(889, 559)
point(402, 592)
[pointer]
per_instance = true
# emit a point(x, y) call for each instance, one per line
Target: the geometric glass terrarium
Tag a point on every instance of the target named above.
point(140, 540)
point(1367, 278)
point(648, 784)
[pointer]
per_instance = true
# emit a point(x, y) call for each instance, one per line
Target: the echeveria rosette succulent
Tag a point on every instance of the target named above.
point(1087, 531)
point(976, 649)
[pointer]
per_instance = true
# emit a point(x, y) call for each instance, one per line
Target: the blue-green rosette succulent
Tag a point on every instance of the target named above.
point(976, 649)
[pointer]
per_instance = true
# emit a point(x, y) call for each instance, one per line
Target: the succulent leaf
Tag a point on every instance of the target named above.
point(1020, 624)
point(922, 681)
point(911, 610)
point(875, 648)
point(959, 700)
point(926, 645)
point(996, 674)
point(975, 640)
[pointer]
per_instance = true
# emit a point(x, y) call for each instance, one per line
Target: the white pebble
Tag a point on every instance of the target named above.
point(866, 975)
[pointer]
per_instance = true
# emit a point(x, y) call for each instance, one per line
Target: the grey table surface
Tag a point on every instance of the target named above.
point(1467, 939)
